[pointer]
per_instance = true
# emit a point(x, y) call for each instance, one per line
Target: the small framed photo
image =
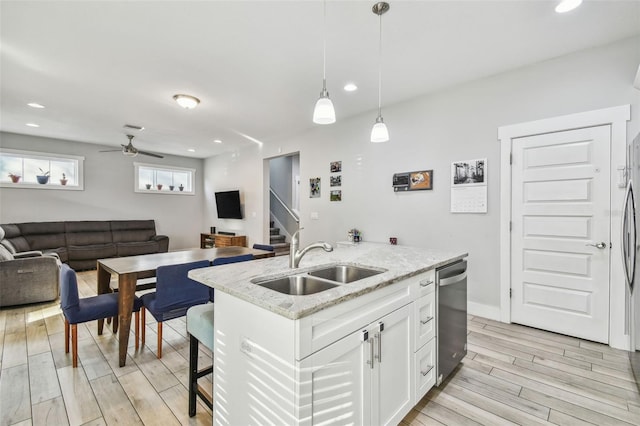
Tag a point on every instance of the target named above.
point(335, 180)
point(421, 180)
point(336, 195)
point(336, 166)
point(314, 187)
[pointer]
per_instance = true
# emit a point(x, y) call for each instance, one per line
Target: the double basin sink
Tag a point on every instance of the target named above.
point(317, 280)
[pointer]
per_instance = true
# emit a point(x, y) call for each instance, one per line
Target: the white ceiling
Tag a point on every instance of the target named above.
point(257, 65)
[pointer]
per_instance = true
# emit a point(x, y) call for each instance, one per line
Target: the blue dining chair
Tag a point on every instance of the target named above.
point(263, 247)
point(175, 293)
point(225, 261)
point(77, 310)
point(200, 329)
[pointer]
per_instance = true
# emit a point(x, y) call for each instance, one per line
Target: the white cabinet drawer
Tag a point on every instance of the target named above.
point(425, 315)
point(427, 282)
point(425, 369)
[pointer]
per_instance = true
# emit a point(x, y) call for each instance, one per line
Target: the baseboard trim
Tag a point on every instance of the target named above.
point(482, 310)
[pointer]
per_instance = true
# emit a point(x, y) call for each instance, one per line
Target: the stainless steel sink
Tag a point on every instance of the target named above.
point(297, 285)
point(345, 273)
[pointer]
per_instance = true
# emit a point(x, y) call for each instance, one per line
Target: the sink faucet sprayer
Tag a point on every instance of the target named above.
point(295, 255)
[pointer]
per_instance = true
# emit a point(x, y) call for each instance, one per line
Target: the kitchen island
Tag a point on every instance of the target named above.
point(362, 352)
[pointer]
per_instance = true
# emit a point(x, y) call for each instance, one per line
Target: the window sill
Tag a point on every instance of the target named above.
point(21, 185)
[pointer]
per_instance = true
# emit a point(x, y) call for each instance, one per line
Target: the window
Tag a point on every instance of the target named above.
point(153, 178)
point(42, 170)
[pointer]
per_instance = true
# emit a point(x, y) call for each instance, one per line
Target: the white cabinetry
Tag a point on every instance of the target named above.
point(364, 361)
point(366, 377)
point(424, 370)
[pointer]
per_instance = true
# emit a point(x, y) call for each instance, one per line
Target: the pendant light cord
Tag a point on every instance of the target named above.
point(324, 47)
point(380, 70)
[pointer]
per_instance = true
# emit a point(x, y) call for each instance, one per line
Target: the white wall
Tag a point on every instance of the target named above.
point(430, 132)
point(108, 192)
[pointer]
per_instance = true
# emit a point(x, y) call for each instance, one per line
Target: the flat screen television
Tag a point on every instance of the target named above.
point(228, 205)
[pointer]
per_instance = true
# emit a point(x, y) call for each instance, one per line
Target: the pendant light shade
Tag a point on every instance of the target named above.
point(324, 113)
point(380, 133)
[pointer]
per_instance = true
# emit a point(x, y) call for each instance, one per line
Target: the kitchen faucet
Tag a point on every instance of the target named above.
point(295, 255)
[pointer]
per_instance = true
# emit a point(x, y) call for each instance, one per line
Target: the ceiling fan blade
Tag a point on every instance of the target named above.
point(150, 154)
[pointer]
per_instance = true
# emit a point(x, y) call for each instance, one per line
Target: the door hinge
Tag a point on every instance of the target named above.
point(510, 293)
point(510, 158)
point(510, 226)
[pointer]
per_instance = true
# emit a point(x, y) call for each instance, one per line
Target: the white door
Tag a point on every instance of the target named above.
point(560, 232)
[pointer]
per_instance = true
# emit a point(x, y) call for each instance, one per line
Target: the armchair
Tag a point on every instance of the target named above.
point(27, 277)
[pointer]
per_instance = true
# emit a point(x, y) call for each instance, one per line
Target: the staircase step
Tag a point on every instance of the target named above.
point(277, 239)
point(281, 249)
point(274, 231)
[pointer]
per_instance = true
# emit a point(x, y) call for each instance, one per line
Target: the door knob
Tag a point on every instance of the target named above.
point(600, 245)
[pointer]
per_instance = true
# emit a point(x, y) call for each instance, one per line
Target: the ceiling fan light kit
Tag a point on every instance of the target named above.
point(186, 101)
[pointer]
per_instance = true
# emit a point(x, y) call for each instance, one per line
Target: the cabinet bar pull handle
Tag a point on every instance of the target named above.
point(378, 336)
point(370, 362)
point(425, 283)
point(426, 321)
point(424, 373)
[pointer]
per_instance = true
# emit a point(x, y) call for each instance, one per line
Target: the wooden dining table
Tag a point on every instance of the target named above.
point(131, 268)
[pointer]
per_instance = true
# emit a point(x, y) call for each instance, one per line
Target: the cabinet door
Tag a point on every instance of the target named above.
point(392, 375)
point(340, 382)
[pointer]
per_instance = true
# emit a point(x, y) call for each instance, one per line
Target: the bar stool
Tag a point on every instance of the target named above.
point(200, 329)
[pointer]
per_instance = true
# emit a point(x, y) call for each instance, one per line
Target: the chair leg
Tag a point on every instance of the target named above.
point(66, 336)
point(159, 340)
point(144, 324)
point(137, 328)
point(193, 370)
point(115, 325)
point(74, 344)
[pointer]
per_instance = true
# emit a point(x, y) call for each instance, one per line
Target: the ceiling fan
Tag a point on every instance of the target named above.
point(131, 151)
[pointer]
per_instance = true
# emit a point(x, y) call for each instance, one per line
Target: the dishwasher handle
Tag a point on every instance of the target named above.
point(452, 280)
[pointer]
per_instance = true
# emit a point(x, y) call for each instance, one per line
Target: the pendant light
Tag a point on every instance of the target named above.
point(324, 113)
point(379, 133)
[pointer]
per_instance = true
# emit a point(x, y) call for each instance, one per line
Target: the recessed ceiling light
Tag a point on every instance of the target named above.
point(217, 141)
point(191, 150)
point(350, 87)
point(33, 125)
point(567, 5)
point(186, 101)
point(35, 105)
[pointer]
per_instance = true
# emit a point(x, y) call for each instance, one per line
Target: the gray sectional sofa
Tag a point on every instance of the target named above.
point(33, 276)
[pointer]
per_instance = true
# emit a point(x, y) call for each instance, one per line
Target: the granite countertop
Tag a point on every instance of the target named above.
point(400, 262)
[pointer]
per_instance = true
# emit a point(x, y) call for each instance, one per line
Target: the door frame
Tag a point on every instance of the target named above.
point(616, 117)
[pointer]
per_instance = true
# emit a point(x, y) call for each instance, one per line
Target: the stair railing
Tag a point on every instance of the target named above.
point(283, 204)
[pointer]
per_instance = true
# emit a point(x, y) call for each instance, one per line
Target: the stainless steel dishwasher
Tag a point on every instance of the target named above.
point(451, 305)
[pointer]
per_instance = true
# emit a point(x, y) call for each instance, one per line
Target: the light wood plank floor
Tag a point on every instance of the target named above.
point(511, 375)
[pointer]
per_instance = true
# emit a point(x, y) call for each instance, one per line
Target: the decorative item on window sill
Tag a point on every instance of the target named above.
point(354, 236)
point(181, 188)
point(159, 186)
point(64, 180)
point(15, 178)
point(148, 186)
point(43, 178)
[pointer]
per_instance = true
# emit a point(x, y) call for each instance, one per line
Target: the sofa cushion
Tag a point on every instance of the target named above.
point(88, 232)
point(62, 253)
point(92, 251)
point(127, 231)
point(40, 236)
point(5, 254)
point(136, 248)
